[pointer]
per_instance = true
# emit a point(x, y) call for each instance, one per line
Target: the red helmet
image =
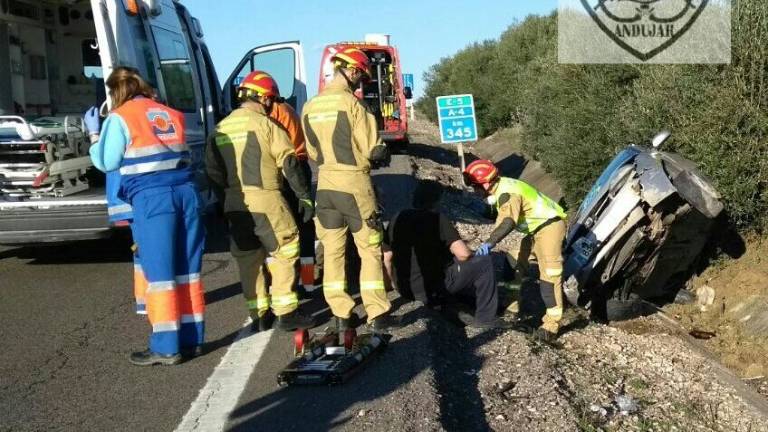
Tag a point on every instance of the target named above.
point(481, 171)
point(258, 83)
point(354, 58)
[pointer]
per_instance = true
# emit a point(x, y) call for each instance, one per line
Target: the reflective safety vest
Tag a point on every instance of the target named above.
point(537, 207)
point(157, 145)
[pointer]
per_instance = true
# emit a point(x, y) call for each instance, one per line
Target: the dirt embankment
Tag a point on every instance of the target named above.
point(732, 305)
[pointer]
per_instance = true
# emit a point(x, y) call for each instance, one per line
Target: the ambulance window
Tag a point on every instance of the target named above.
point(91, 60)
point(281, 65)
point(144, 52)
point(278, 63)
point(176, 70)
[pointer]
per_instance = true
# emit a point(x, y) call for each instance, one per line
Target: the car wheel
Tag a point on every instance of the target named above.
point(699, 192)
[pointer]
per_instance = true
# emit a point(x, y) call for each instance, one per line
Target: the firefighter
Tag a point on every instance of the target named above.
point(521, 207)
point(342, 137)
point(281, 112)
point(145, 141)
point(245, 158)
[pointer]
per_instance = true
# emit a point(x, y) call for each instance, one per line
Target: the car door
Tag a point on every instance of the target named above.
point(284, 61)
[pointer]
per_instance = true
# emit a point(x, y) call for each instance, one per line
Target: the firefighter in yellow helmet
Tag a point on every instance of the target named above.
point(521, 207)
point(342, 137)
point(248, 157)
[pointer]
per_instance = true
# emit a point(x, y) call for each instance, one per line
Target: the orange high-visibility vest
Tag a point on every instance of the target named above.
point(157, 141)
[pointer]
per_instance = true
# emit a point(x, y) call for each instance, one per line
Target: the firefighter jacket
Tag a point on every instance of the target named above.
point(526, 206)
point(248, 151)
point(341, 133)
point(286, 117)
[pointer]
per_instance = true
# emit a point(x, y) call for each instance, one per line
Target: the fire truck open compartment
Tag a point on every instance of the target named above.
point(50, 73)
point(380, 93)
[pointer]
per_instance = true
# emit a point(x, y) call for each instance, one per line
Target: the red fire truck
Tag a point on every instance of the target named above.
point(385, 93)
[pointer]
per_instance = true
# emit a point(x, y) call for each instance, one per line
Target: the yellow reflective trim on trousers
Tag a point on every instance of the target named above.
point(284, 300)
point(290, 250)
point(375, 238)
point(554, 272)
point(258, 304)
point(371, 285)
point(335, 286)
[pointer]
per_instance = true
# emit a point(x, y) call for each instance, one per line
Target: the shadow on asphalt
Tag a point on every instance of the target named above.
point(223, 293)
point(442, 347)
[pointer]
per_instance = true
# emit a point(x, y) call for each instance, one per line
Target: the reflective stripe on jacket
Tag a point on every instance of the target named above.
point(248, 151)
point(340, 131)
point(157, 146)
point(537, 207)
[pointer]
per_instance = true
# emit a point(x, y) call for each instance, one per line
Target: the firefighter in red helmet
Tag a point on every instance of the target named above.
point(248, 157)
point(342, 137)
point(521, 207)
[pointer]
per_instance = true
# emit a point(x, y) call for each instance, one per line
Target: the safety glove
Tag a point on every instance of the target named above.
point(484, 249)
point(380, 156)
point(92, 121)
point(306, 209)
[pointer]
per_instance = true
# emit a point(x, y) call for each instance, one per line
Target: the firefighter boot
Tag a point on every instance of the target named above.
point(295, 320)
point(148, 358)
point(343, 324)
point(386, 322)
point(263, 322)
point(548, 331)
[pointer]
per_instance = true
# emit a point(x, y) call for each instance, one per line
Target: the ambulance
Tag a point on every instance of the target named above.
point(54, 58)
point(385, 95)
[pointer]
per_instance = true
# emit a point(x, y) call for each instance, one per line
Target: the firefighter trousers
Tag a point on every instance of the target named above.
point(547, 244)
point(170, 235)
point(346, 203)
point(306, 233)
point(263, 232)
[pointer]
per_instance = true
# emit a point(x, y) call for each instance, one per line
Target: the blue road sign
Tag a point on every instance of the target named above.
point(456, 116)
point(408, 81)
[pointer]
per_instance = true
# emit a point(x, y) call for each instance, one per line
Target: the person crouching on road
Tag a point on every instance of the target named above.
point(342, 137)
point(145, 141)
point(521, 207)
point(245, 158)
point(428, 258)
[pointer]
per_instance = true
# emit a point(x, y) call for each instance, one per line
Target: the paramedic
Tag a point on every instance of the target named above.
point(145, 141)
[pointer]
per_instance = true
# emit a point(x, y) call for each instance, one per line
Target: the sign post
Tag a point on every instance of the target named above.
point(408, 82)
point(456, 117)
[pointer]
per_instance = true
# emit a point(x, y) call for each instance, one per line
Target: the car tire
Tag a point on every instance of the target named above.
point(699, 192)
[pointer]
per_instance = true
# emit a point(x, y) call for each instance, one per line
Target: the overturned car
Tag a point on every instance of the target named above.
point(639, 232)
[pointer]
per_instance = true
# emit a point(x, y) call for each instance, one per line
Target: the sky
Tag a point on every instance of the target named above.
point(424, 31)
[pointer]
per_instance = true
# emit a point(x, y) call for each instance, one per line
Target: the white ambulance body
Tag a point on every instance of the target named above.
point(54, 57)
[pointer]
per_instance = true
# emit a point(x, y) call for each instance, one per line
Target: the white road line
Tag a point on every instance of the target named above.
point(210, 411)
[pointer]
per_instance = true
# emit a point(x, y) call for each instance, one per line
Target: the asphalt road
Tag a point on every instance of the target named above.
point(68, 327)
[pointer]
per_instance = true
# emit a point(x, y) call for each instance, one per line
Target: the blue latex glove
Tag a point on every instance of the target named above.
point(484, 249)
point(92, 121)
